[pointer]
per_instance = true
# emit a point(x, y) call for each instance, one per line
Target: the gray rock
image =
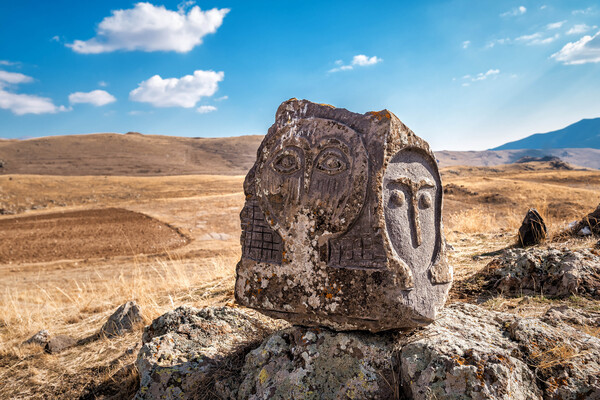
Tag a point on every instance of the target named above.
point(465, 354)
point(564, 314)
point(313, 363)
point(60, 343)
point(342, 225)
point(122, 320)
point(550, 272)
point(590, 224)
point(187, 351)
point(40, 338)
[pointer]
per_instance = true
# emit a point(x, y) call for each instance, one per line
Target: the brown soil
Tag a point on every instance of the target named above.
point(84, 234)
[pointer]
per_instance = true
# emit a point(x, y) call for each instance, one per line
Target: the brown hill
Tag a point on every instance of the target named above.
point(130, 154)
point(134, 154)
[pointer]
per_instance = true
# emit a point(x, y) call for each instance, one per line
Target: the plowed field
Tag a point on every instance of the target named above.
point(84, 234)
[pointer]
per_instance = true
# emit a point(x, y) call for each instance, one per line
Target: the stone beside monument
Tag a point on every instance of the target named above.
point(342, 224)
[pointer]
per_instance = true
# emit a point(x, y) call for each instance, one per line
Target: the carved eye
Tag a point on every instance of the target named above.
point(332, 162)
point(425, 200)
point(286, 162)
point(397, 198)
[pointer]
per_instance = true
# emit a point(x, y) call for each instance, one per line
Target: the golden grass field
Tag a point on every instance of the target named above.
point(483, 208)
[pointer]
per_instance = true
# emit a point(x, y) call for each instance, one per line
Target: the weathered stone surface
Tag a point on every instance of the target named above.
point(551, 272)
point(187, 350)
point(533, 229)
point(466, 354)
point(60, 343)
point(314, 363)
point(122, 320)
point(40, 338)
point(342, 222)
point(564, 314)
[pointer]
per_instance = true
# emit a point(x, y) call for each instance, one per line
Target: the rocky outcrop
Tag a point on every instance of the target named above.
point(550, 272)
point(467, 353)
point(187, 351)
point(40, 338)
point(60, 343)
point(590, 224)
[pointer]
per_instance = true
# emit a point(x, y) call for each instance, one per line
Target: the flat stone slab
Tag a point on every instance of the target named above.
point(342, 225)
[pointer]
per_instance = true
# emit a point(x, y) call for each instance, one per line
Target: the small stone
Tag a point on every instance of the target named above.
point(586, 231)
point(533, 229)
point(59, 344)
point(342, 225)
point(40, 338)
point(122, 320)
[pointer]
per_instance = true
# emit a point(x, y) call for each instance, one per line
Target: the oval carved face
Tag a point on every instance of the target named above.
point(412, 208)
point(317, 167)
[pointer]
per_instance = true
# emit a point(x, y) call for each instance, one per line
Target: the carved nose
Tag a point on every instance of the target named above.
point(416, 225)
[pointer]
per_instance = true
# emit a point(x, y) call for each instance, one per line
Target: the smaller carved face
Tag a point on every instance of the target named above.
point(317, 167)
point(412, 204)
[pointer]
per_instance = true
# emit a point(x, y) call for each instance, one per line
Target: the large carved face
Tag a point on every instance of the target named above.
point(412, 204)
point(315, 168)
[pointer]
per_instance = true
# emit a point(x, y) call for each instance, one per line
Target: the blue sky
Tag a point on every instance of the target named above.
point(464, 75)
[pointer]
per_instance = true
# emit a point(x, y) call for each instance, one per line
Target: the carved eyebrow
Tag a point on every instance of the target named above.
point(414, 185)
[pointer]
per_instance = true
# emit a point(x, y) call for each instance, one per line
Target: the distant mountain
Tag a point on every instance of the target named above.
point(582, 134)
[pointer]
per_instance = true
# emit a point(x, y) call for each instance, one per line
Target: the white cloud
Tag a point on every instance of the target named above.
point(543, 7)
point(579, 29)
point(13, 78)
point(588, 10)
point(480, 76)
point(147, 27)
point(555, 25)
point(466, 44)
point(55, 38)
point(6, 62)
point(206, 109)
point(537, 39)
point(102, 84)
point(497, 41)
point(585, 50)
point(95, 97)
point(359, 60)
point(222, 98)
point(514, 12)
point(362, 60)
point(21, 104)
point(173, 92)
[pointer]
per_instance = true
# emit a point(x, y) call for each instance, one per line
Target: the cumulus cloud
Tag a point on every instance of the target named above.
point(514, 12)
point(95, 97)
point(359, 60)
point(177, 92)
point(466, 44)
point(21, 104)
point(555, 25)
point(147, 27)
point(497, 41)
point(585, 11)
point(579, 29)
point(13, 78)
point(585, 50)
point(206, 109)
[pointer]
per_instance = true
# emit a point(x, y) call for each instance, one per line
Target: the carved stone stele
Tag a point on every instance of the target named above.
point(342, 225)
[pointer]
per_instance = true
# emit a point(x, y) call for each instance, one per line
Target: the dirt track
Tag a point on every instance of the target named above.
point(84, 234)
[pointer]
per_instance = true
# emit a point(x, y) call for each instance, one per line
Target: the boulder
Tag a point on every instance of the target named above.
point(122, 320)
point(533, 229)
point(314, 363)
point(467, 353)
point(40, 338)
point(342, 225)
point(60, 343)
point(187, 351)
point(548, 272)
